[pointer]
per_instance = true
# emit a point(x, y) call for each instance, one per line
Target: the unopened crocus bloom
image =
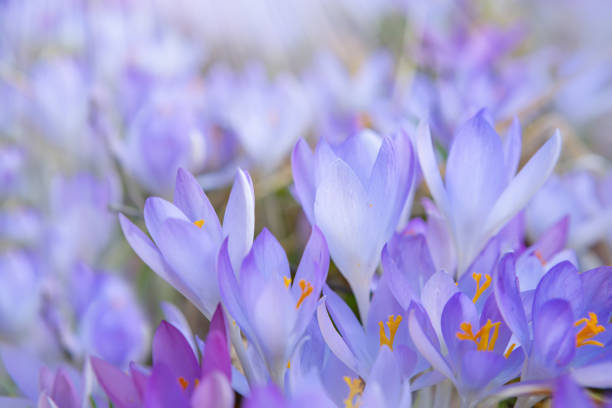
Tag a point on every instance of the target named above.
point(355, 193)
point(481, 192)
point(272, 308)
point(186, 237)
point(176, 376)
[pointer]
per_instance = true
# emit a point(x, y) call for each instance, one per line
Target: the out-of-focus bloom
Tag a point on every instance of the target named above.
point(481, 192)
point(176, 376)
point(355, 193)
point(186, 237)
point(272, 309)
point(40, 385)
point(270, 396)
point(20, 293)
point(111, 324)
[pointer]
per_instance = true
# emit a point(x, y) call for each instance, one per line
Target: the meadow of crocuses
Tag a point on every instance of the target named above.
point(305, 203)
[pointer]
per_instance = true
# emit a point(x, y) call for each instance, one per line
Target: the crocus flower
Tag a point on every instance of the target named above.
point(176, 374)
point(479, 357)
point(272, 308)
point(355, 193)
point(481, 192)
point(563, 325)
point(187, 236)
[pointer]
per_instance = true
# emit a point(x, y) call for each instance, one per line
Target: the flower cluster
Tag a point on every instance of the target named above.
point(375, 204)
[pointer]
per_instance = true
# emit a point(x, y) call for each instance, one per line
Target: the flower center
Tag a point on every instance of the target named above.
point(306, 291)
point(480, 289)
point(393, 323)
point(484, 339)
point(590, 330)
point(198, 223)
point(184, 383)
point(356, 386)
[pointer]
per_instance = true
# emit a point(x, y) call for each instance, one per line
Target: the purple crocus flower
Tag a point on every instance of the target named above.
point(272, 309)
point(270, 396)
point(479, 357)
point(479, 195)
point(355, 193)
point(187, 236)
point(176, 376)
point(563, 325)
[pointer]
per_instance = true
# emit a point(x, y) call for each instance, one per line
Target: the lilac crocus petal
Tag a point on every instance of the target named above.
point(148, 252)
point(116, 384)
point(512, 148)
point(302, 166)
point(427, 349)
point(63, 392)
point(386, 374)
point(597, 288)
point(553, 240)
point(341, 200)
point(190, 198)
point(508, 298)
point(45, 401)
point(140, 378)
point(526, 183)
point(163, 390)
point(436, 292)
point(172, 350)
point(216, 356)
point(269, 256)
point(478, 369)
point(156, 211)
point(23, 368)
point(229, 289)
point(457, 310)
point(313, 268)
point(474, 179)
point(554, 340)
point(176, 318)
point(334, 341)
point(567, 394)
point(429, 167)
point(214, 391)
point(191, 253)
point(239, 218)
point(268, 396)
point(595, 375)
point(561, 282)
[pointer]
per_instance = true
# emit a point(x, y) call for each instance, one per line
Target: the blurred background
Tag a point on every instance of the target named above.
point(102, 101)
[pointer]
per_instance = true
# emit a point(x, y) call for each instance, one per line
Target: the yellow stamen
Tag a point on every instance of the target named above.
point(287, 281)
point(196, 382)
point(509, 351)
point(393, 323)
point(356, 386)
point(198, 223)
point(480, 289)
point(540, 257)
point(483, 338)
point(288, 363)
point(590, 330)
point(183, 383)
point(306, 291)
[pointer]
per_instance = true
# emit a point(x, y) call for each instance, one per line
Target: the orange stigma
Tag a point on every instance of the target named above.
point(356, 386)
point(393, 323)
point(484, 339)
point(183, 383)
point(198, 223)
point(480, 289)
point(306, 291)
point(590, 330)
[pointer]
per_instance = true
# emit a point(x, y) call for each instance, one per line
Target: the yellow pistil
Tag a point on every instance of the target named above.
point(183, 383)
point(590, 330)
point(287, 281)
point(198, 223)
point(306, 291)
point(480, 289)
point(483, 337)
point(393, 323)
point(356, 386)
point(509, 351)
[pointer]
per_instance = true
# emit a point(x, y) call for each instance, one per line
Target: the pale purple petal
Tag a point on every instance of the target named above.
point(239, 218)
